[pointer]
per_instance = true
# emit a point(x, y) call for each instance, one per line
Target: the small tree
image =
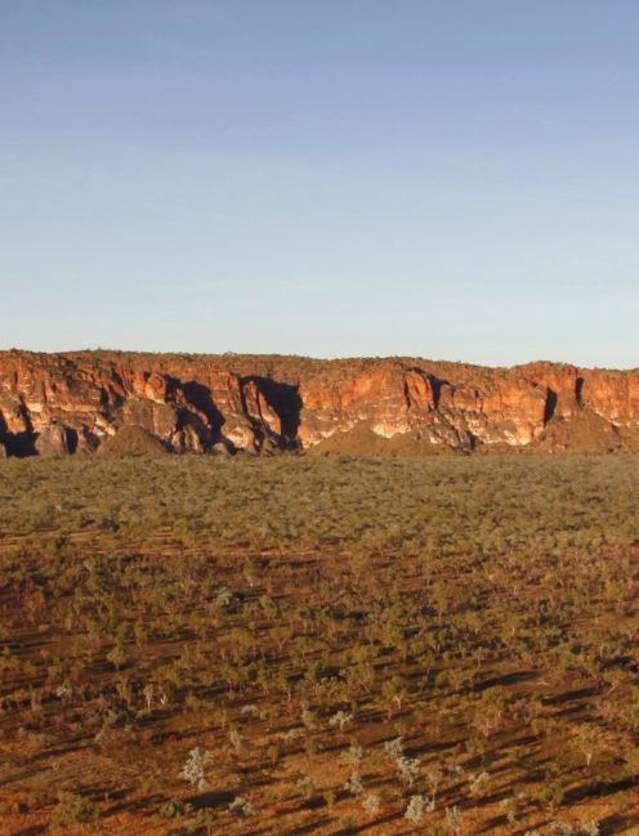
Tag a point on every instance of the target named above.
point(242, 807)
point(371, 804)
point(416, 809)
point(194, 770)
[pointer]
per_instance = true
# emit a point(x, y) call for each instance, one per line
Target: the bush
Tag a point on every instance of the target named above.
point(73, 808)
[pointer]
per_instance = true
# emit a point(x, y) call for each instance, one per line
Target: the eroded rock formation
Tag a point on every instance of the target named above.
point(60, 404)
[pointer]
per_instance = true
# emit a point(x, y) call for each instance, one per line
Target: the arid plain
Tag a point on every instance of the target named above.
point(319, 644)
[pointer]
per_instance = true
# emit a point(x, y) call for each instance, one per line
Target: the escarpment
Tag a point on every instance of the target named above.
point(64, 404)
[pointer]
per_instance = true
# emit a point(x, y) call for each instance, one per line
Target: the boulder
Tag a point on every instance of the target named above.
point(52, 441)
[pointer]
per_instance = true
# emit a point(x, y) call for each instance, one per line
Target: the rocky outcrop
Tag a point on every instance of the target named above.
point(61, 404)
point(52, 441)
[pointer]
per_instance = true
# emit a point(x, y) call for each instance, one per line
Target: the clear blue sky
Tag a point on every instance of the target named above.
point(440, 178)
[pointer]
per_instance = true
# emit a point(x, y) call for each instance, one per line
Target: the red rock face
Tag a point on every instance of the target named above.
point(385, 396)
point(61, 404)
point(509, 411)
point(612, 395)
point(561, 381)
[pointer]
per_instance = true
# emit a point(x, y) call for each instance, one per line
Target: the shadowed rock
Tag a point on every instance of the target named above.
point(55, 404)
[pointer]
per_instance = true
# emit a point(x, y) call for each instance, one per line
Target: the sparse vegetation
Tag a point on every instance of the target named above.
point(200, 644)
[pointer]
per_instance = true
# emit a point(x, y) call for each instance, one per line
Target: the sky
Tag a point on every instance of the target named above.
point(454, 179)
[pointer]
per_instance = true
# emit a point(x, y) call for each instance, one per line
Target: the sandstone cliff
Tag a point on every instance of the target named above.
point(59, 404)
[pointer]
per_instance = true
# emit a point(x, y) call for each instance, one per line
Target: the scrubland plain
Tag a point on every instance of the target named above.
point(319, 645)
